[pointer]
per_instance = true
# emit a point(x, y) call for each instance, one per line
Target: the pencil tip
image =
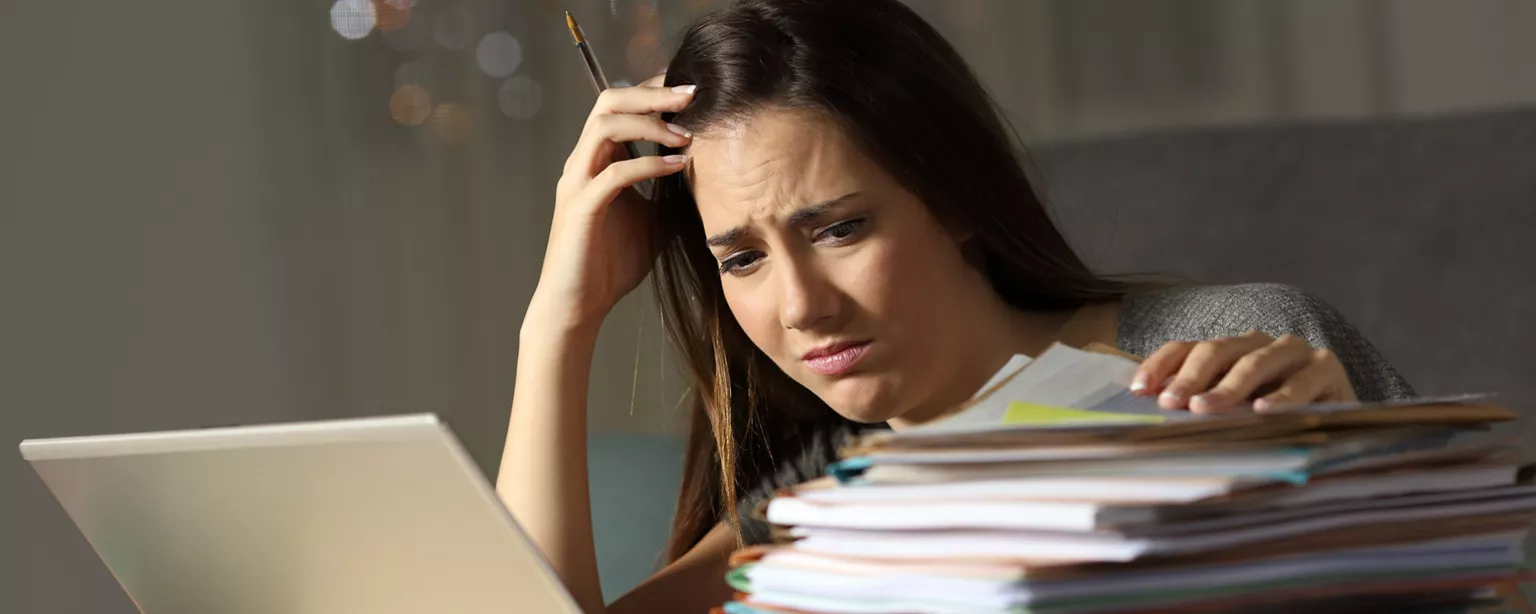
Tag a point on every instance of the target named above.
point(570, 22)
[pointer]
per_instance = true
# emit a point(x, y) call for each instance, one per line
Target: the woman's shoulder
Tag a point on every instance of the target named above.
point(818, 447)
point(1197, 313)
point(1192, 313)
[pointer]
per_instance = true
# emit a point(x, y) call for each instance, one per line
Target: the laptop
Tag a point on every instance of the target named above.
point(374, 515)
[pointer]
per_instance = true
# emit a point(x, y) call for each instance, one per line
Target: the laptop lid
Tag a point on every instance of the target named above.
point(375, 515)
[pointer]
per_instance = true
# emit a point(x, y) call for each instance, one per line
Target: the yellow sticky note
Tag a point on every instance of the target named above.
point(1030, 413)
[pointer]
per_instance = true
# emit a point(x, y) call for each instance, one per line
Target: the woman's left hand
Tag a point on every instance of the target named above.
point(1221, 375)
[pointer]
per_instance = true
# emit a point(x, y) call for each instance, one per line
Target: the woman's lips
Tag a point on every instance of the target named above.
point(838, 360)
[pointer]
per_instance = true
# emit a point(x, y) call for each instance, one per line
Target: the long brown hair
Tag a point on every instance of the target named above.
point(908, 100)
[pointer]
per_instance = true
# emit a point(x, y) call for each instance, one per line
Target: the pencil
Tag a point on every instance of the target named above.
point(594, 70)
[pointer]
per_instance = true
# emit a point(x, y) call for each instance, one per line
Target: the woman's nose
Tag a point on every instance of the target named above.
point(807, 298)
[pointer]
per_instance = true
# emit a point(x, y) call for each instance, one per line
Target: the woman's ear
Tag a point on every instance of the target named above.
point(970, 249)
point(959, 230)
point(963, 233)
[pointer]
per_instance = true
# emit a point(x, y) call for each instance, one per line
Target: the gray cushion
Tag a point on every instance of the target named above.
point(1419, 231)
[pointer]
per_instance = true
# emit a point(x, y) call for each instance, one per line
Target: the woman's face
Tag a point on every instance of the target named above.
point(833, 269)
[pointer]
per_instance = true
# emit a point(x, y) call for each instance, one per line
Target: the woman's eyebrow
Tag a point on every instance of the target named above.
point(812, 214)
point(803, 216)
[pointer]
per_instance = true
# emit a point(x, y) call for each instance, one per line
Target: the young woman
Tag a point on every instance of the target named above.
point(843, 237)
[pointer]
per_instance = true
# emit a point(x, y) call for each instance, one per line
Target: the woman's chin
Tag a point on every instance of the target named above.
point(863, 415)
point(868, 402)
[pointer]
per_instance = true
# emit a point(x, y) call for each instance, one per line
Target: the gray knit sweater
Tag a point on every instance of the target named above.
point(1147, 321)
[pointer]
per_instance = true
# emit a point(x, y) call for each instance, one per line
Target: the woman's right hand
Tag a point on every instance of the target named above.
point(598, 247)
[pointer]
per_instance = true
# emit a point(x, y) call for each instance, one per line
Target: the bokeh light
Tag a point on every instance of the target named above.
point(648, 15)
point(392, 16)
point(353, 19)
point(499, 54)
point(450, 122)
point(644, 50)
point(520, 97)
point(410, 105)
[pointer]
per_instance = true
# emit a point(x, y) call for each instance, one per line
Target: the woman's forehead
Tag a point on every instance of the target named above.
point(773, 160)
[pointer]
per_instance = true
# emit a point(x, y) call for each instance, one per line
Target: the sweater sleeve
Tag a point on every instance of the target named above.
point(1211, 312)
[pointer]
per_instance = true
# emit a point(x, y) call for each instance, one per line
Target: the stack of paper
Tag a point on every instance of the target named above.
point(1056, 491)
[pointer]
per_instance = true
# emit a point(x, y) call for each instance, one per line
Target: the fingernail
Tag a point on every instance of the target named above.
point(1206, 401)
point(1173, 395)
point(1139, 384)
point(1262, 405)
point(686, 89)
point(679, 130)
point(675, 158)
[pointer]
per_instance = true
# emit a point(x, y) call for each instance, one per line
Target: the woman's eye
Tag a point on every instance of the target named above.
point(842, 230)
point(739, 263)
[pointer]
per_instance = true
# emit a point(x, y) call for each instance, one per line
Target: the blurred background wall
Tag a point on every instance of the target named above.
point(235, 212)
